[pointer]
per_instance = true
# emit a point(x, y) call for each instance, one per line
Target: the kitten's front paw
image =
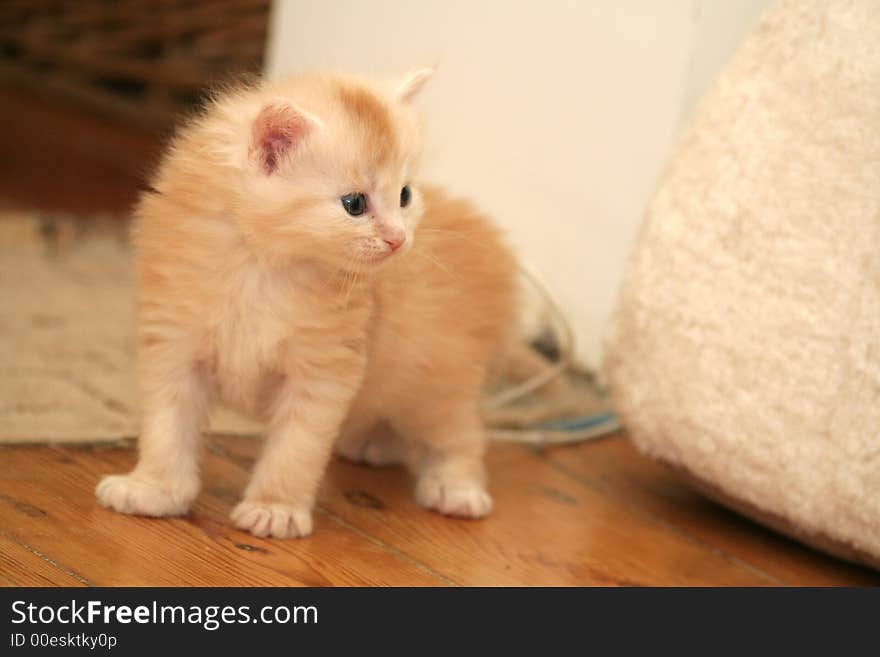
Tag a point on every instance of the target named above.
point(463, 499)
point(275, 520)
point(137, 495)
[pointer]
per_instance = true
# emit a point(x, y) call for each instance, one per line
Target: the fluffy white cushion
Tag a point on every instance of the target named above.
point(746, 344)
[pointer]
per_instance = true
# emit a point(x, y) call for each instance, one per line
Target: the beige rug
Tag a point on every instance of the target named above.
point(66, 333)
point(67, 345)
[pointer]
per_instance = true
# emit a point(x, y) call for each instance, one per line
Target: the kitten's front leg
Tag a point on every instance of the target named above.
point(166, 478)
point(308, 414)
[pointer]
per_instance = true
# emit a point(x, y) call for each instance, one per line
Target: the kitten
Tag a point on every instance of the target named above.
point(288, 264)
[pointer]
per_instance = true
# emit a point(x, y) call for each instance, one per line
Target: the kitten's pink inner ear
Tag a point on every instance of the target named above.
point(278, 130)
point(412, 84)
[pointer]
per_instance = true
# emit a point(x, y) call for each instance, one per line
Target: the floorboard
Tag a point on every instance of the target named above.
point(23, 565)
point(592, 514)
point(546, 529)
point(49, 504)
point(614, 467)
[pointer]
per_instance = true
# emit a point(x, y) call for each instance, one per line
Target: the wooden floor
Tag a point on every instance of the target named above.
point(591, 514)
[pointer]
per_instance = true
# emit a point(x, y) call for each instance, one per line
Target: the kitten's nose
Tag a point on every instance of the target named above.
point(395, 242)
point(392, 233)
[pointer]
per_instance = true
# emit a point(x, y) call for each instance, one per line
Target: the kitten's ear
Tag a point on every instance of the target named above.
point(278, 131)
point(412, 83)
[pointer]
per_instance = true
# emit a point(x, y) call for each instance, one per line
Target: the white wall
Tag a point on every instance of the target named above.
point(554, 115)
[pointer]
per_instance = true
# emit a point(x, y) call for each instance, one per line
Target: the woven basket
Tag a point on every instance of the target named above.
point(144, 61)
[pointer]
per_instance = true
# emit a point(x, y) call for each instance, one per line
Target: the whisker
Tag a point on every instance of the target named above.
point(349, 276)
point(357, 267)
point(335, 276)
point(438, 263)
point(440, 233)
point(452, 233)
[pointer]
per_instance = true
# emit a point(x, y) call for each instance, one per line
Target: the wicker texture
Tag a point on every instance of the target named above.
point(143, 60)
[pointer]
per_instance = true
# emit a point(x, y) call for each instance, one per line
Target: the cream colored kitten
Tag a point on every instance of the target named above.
point(289, 264)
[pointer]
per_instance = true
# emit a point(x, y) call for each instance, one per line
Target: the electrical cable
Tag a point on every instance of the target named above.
point(559, 431)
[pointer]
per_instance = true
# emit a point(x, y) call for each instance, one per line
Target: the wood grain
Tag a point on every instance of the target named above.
point(24, 565)
point(590, 514)
point(547, 529)
point(53, 509)
point(613, 466)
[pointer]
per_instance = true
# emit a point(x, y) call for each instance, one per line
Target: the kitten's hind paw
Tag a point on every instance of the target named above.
point(377, 450)
point(463, 499)
point(136, 495)
point(275, 520)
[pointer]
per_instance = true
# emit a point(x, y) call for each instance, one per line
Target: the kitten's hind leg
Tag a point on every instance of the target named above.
point(448, 463)
point(166, 478)
point(377, 446)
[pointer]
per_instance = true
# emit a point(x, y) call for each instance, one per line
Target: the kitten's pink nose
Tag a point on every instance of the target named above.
point(394, 241)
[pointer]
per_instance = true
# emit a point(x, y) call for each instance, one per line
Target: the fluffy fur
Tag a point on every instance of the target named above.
point(256, 287)
point(745, 344)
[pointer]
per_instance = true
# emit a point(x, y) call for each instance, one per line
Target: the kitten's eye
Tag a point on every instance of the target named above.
point(405, 195)
point(354, 204)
